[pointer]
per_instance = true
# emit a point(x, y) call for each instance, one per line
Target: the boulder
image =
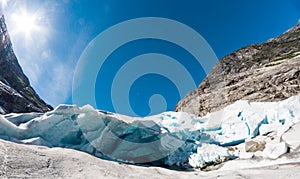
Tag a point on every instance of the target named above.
point(292, 137)
point(275, 150)
point(254, 145)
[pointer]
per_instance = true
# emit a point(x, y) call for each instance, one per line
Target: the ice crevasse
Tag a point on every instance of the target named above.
point(169, 138)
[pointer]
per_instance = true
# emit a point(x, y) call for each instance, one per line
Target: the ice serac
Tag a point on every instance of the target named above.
point(16, 93)
point(209, 154)
point(169, 138)
point(261, 72)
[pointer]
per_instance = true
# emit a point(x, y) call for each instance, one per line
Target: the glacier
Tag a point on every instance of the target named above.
point(166, 139)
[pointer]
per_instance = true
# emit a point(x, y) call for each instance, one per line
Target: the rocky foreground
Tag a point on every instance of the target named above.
point(25, 161)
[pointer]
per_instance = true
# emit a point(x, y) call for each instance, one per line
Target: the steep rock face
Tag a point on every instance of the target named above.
point(16, 94)
point(260, 72)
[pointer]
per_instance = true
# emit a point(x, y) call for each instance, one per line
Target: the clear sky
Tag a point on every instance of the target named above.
point(49, 37)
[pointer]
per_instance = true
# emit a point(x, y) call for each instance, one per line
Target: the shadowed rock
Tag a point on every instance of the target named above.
point(16, 94)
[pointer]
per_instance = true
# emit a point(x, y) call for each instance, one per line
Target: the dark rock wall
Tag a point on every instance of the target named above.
point(16, 94)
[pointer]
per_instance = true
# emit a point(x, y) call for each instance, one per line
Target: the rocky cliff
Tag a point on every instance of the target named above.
point(16, 94)
point(260, 72)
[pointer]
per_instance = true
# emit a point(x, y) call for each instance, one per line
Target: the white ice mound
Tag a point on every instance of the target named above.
point(209, 154)
point(167, 138)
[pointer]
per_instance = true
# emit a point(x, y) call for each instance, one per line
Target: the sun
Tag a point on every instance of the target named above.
point(4, 3)
point(25, 23)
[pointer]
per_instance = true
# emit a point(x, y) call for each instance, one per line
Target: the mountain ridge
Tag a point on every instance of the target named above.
point(16, 93)
point(260, 72)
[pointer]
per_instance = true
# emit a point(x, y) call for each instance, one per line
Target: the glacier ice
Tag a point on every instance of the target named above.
point(209, 154)
point(169, 138)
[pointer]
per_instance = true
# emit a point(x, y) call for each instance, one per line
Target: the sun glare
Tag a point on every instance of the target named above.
point(25, 23)
point(4, 3)
point(28, 26)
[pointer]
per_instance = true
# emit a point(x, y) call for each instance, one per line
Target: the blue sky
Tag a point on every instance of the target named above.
point(62, 29)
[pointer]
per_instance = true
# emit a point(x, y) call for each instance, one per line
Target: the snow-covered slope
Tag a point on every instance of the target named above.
point(170, 138)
